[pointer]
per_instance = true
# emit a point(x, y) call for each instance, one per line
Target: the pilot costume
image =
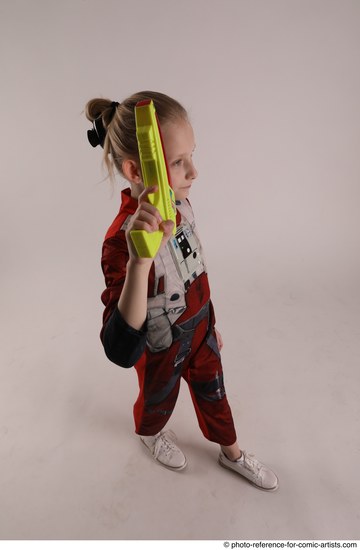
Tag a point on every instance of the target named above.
point(178, 337)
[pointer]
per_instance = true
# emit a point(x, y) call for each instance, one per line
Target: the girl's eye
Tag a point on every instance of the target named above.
point(178, 162)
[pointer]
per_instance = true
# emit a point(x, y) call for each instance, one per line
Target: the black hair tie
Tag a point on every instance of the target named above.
point(97, 135)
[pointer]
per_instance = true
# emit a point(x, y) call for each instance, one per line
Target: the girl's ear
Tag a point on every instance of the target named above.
point(131, 171)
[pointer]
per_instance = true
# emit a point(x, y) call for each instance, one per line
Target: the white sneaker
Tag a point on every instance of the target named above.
point(164, 450)
point(248, 466)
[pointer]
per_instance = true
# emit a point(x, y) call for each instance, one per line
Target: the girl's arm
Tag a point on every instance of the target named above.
point(132, 303)
point(133, 299)
point(219, 340)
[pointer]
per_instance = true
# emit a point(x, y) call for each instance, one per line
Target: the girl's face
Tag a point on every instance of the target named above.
point(179, 145)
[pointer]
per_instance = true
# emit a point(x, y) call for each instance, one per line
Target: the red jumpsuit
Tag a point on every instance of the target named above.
point(178, 338)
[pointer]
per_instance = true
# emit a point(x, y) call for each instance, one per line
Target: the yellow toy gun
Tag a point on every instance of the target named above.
point(155, 172)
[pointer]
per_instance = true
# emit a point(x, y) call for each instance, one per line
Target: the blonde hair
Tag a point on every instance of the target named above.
point(120, 141)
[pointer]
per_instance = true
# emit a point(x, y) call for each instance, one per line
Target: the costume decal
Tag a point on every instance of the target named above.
point(176, 267)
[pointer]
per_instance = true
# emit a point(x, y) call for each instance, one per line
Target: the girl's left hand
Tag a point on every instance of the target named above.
point(219, 340)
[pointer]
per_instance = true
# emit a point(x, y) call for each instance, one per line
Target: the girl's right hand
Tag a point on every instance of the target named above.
point(147, 217)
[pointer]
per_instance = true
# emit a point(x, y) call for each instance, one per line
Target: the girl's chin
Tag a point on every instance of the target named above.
point(182, 193)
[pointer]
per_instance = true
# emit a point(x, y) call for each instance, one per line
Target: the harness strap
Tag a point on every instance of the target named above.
point(185, 333)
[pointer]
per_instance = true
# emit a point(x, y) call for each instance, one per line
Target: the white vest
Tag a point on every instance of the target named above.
point(179, 263)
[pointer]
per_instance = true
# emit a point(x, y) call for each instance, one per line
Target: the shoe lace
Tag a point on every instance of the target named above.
point(251, 463)
point(165, 443)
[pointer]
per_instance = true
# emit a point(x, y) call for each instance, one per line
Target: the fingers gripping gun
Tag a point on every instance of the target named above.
point(155, 172)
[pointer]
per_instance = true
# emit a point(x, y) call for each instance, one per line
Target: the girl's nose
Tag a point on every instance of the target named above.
point(192, 172)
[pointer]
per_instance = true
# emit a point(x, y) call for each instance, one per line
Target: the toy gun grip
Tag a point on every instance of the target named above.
point(155, 172)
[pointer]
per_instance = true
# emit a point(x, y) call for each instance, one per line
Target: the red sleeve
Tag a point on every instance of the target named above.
point(113, 262)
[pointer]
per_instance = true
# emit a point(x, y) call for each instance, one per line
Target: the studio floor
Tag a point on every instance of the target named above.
point(71, 466)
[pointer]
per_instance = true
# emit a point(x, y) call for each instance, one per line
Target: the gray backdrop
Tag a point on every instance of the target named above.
point(272, 88)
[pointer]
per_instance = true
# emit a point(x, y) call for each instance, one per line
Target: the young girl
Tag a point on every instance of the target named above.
point(158, 313)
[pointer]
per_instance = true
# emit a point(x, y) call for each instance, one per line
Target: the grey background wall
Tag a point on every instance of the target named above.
point(272, 88)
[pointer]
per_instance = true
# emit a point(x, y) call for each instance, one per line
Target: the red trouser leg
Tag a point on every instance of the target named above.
point(205, 378)
point(159, 381)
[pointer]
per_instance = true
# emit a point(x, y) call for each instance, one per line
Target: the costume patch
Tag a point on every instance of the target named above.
point(186, 252)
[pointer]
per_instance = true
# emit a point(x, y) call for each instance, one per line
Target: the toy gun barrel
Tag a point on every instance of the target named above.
point(155, 172)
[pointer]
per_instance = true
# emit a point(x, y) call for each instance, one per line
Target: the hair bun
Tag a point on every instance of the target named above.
point(97, 135)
